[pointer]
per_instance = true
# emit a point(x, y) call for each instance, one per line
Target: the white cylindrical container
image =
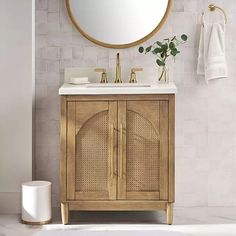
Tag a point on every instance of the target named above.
point(36, 202)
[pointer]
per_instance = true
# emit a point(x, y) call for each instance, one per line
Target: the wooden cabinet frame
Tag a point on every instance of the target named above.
point(119, 199)
point(73, 126)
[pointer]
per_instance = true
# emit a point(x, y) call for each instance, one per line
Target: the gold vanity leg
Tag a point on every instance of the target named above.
point(169, 213)
point(64, 213)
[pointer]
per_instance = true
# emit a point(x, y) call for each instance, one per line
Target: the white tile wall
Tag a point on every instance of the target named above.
point(205, 115)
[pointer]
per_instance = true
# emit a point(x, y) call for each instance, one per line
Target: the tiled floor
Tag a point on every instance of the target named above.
point(197, 221)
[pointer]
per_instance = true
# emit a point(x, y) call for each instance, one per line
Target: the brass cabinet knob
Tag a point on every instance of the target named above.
point(133, 75)
point(103, 75)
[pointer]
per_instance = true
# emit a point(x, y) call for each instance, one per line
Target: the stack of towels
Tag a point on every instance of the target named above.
point(211, 57)
point(79, 80)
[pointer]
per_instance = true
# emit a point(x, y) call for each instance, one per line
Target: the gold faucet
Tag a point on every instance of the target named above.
point(133, 75)
point(118, 70)
point(103, 75)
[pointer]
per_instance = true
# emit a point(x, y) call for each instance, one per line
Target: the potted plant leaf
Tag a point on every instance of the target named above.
point(163, 50)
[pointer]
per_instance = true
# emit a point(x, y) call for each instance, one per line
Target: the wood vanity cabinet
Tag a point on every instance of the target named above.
point(117, 153)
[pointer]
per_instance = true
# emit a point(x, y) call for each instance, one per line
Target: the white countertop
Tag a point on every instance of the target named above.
point(94, 89)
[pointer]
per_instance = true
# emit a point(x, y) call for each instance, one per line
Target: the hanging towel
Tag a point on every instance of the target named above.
point(211, 54)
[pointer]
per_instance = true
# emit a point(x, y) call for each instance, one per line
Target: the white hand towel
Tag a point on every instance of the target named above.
point(211, 57)
point(201, 62)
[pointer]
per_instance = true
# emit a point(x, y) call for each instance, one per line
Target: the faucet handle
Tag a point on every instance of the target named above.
point(103, 75)
point(133, 74)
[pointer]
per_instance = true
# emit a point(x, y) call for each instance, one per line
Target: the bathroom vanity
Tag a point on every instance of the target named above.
point(117, 148)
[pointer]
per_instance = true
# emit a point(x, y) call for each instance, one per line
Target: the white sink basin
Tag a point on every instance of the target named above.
point(118, 85)
point(112, 88)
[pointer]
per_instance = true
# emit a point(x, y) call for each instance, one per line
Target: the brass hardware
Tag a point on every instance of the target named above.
point(118, 69)
point(103, 75)
point(112, 151)
point(37, 223)
point(133, 75)
point(213, 7)
point(121, 152)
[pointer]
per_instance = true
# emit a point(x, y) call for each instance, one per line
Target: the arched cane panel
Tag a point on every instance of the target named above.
point(91, 154)
point(143, 154)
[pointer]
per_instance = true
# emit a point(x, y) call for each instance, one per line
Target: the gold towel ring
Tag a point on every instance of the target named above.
point(213, 7)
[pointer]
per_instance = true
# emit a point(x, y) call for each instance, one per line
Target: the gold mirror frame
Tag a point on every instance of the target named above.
point(117, 46)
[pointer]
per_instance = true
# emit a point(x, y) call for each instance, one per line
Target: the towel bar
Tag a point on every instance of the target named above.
point(213, 7)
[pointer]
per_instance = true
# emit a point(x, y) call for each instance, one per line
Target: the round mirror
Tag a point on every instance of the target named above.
point(118, 23)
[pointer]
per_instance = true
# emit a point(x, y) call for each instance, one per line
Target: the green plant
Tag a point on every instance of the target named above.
point(168, 47)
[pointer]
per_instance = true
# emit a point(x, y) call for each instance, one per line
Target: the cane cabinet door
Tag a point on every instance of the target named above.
point(91, 150)
point(143, 150)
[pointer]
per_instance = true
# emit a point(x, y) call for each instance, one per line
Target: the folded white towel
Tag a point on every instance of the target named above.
point(211, 54)
point(79, 80)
